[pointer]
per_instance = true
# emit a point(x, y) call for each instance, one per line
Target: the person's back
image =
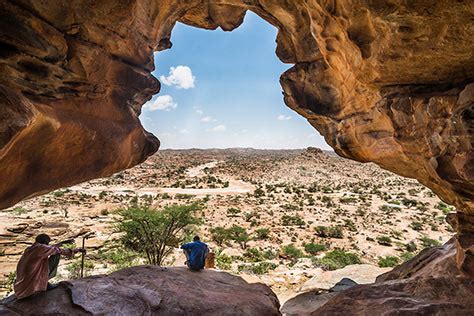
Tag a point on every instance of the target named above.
point(37, 265)
point(196, 252)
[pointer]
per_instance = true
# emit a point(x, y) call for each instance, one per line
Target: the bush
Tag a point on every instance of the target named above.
point(233, 212)
point(407, 256)
point(314, 248)
point(74, 269)
point(253, 255)
point(262, 233)
point(238, 234)
point(416, 225)
point(223, 261)
point(329, 231)
point(270, 254)
point(443, 207)
point(155, 233)
point(220, 235)
point(427, 242)
point(9, 282)
point(388, 261)
point(292, 220)
point(258, 268)
point(120, 257)
point(384, 240)
point(258, 192)
point(292, 252)
point(336, 259)
point(411, 246)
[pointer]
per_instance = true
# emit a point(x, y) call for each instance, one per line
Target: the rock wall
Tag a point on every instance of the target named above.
point(428, 284)
point(386, 81)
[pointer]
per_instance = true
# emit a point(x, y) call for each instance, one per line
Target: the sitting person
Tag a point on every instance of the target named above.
point(37, 265)
point(195, 252)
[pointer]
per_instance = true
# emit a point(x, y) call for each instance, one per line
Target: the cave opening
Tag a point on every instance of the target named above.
point(221, 89)
point(360, 76)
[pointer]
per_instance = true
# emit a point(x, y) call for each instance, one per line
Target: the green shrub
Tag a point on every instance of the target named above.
point(262, 233)
point(19, 210)
point(411, 246)
point(219, 235)
point(258, 268)
point(9, 282)
point(329, 231)
point(233, 212)
point(384, 240)
point(409, 202)
point(74, 268)
point(336, 259)
point(120, 257)
point(407, 256)
point(253, 255)
point(292, 220)
point(258, 192)
point(427, 242)
point(388, 261)
point(416, 225)
point(443, 207)
point(238, 234)
point(223, 261)
point(314, 248)
point(270, 254)
point(292, 252)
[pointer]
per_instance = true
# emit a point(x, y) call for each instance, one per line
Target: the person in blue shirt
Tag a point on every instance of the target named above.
point(195, 252)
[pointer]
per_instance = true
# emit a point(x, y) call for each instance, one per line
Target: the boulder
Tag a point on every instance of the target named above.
point(150, 290)
point(308, 302)
point(360, 273)
point(428, 284)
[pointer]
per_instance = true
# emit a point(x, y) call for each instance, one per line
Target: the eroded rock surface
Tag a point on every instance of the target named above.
point(384, 81)
point(428, 284)
point(150, 290)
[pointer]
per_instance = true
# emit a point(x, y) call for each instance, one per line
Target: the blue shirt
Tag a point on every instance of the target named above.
point(197, 252)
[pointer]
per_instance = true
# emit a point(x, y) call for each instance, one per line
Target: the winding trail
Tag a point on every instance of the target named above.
point(235, 186)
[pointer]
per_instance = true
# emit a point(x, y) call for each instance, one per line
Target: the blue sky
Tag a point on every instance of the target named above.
point(221, 89)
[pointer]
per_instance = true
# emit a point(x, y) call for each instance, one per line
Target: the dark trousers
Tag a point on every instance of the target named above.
point(53, 263)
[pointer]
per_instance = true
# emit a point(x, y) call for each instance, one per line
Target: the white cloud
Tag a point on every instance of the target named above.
point(218, 128)
point(162, 102)
point(208, 119)
point(200, 112)
point(181, 77)
point(184, 131)
point(282, 117)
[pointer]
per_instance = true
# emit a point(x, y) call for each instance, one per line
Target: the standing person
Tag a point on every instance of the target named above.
point(37, 265)
point(195, 252)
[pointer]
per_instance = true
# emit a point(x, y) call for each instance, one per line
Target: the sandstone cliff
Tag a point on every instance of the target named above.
point(387, 81)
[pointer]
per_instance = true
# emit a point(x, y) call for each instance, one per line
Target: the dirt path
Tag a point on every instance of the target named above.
point(235, 186)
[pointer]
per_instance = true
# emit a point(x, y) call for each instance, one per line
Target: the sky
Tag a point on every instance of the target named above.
point(221, 90)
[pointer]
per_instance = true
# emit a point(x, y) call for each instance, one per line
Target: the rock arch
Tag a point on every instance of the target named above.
point(383, 81)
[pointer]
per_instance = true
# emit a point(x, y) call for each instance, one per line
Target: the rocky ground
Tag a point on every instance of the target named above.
point(295, 208)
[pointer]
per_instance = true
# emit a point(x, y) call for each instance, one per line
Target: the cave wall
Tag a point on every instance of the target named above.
point(387, 81)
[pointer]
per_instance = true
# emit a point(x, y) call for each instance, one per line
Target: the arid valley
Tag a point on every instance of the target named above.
point(293, 213)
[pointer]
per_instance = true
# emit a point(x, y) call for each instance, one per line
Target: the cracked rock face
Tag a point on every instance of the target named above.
point(427, 284)
point(150, 290)
point(385, 81)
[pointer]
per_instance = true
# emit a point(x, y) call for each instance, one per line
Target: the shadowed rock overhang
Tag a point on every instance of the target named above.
point(384, 81)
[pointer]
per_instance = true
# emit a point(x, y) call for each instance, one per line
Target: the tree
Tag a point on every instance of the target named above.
point(219, 235)
point(155, 232)
point(239, 234)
